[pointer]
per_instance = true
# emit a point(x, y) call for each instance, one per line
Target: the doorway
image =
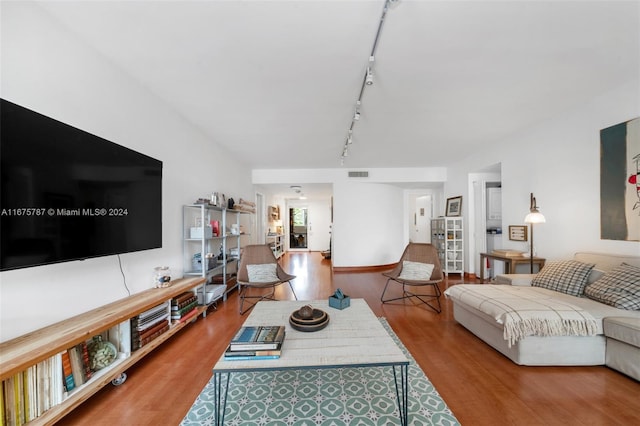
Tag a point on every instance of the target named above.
point(485, 219)
point(260, 223)
point(420, 210)
point(298, 228)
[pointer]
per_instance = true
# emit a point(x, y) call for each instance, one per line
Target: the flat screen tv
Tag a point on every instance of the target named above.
point(66, 194)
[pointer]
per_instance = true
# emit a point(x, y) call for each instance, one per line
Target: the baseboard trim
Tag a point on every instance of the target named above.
point(371, 268)
point(381, 268)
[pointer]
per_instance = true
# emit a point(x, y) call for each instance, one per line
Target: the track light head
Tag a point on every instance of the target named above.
point(369, 78)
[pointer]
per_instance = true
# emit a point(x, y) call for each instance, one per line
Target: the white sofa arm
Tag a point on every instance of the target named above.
point(515, 279)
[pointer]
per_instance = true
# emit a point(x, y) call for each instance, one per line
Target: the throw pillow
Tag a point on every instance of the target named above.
point(564, 276)
point(416, 271)
point(619, 288)
point(595, 275)
point(263, 273)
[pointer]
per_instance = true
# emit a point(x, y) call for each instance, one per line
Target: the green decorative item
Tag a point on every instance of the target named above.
point(101, 353)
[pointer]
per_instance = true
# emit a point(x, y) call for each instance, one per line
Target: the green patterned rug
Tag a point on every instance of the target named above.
point(344, 396)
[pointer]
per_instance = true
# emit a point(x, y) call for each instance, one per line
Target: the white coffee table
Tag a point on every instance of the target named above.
point(354, 337)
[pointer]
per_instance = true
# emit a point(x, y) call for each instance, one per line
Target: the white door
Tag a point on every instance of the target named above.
point(260, 222)
point(420, 220)
point(480, 224)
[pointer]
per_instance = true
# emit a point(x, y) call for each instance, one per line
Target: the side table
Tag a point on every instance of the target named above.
point(510, 262)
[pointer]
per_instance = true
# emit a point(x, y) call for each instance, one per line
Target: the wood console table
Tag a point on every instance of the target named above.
point(510, 262)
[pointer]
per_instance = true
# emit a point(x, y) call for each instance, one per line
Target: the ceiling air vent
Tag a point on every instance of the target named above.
point(358, 174)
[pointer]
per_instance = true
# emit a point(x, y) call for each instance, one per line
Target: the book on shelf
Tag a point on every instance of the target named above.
point(177, 314)
point(264, 337)
point(26, 395)
point(182, 300)
point(149, 321)
point(77, 364)
point(230, 355)
point(67, 372)
point(193, 313)
point(139, 338)
point(184, 304)
point(153, 335)
point(42, 373)
point(86, 363)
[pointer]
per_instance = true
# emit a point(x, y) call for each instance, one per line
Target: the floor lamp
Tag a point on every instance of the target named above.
point(534, 216)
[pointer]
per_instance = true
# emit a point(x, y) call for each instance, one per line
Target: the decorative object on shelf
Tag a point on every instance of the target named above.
point(274, 213)
point(215, 228)
point(339, 300)
point(309, 319)
point(518, 233)
point(454, 206)
point(230, 203)
point(101, 353)
point(534, 216)
point(245, 206)
point(161, 276)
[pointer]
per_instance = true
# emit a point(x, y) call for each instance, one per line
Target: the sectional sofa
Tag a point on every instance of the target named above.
point(583, 311)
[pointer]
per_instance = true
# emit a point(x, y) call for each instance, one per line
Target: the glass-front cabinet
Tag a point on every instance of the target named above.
point(447, 237)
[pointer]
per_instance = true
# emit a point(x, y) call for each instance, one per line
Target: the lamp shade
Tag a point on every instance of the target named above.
point(534, 217)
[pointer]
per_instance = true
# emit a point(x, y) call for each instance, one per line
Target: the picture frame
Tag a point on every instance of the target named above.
point(454, 206)
point(518, 233)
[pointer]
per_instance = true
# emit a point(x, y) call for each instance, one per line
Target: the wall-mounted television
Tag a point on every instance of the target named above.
point(66, 194)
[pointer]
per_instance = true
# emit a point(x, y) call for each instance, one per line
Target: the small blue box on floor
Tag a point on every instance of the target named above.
point(339, 300)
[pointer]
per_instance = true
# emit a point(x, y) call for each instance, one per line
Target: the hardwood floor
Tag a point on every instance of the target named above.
point(481, 386)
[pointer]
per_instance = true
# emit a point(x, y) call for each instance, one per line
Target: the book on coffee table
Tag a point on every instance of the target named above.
point(258, 338)
point(230, 355)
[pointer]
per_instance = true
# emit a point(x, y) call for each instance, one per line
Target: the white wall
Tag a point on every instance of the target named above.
point(45, 69)
point(559, 161)
point(370, 226)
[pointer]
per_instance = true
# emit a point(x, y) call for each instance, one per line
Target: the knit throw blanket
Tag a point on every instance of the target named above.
point(525, 311)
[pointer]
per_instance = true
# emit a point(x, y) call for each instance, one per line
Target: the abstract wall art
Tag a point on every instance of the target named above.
point(620, 181)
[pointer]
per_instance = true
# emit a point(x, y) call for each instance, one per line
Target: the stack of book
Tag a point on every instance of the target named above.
point(256, 342)
point(78, 361)
point(184, 306)
point(148, 325)
point(28, 394)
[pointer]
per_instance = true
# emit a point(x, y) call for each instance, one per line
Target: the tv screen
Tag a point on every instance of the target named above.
point(66, 194)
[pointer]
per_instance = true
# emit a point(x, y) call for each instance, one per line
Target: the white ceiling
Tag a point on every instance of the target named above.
point(275, 82)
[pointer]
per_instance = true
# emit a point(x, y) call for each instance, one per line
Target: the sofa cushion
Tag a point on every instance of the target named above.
point(619, 288)
point(624, 329)
point(416, 271)
point(262, 273)
point(565, 276)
